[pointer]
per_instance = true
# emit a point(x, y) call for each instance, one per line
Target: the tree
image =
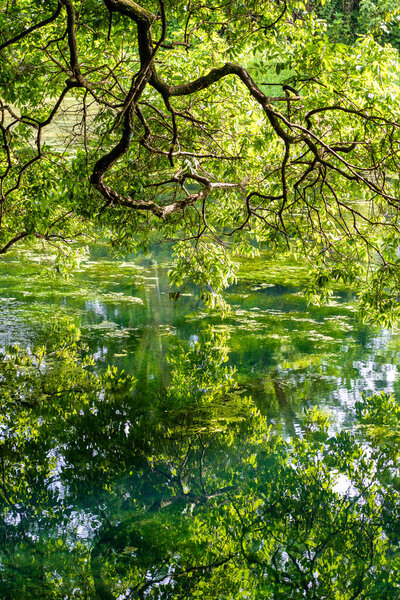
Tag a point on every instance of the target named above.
point(222, 129)
point(349, 19)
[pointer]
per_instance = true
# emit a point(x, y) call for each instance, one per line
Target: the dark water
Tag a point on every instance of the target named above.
point(214, 472)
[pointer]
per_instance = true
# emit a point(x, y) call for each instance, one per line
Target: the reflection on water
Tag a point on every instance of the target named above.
point(203, 463)
point(288, 355)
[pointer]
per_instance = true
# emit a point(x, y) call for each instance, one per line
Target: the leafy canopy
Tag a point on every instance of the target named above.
point(223, 129)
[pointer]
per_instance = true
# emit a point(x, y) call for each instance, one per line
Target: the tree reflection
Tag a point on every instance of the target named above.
point(188, 492)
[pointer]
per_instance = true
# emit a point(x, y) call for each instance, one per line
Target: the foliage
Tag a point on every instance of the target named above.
point(352, 18)
point(222, 129)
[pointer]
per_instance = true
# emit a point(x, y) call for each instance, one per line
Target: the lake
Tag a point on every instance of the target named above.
point(226, 457)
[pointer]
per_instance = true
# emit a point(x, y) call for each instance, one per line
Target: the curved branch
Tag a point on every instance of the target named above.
point(39, 25)
point(14, 240)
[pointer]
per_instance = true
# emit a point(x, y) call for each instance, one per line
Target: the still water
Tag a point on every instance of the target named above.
point(198, 465)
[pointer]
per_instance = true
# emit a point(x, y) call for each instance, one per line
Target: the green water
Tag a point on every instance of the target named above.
point(207, 475)
point(288, 355)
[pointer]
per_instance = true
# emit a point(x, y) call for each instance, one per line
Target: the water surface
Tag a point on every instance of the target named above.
point(159, 485)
